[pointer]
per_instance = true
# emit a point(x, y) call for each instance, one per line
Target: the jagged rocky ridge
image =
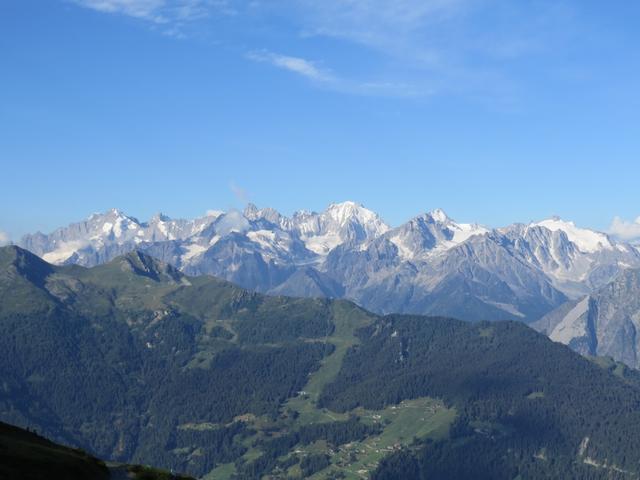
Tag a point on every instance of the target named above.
point(604, 323)
point(429, 265)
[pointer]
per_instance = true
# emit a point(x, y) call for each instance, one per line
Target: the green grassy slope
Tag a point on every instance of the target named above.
point(527, 406)
point(116, 358)
point(137, 363)
point(352, 457)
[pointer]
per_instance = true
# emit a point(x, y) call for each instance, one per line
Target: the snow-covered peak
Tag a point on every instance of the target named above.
point(439, 215)
point(111, 227)
point(459, 231)
point(351, 211)
point(251, 212)
point(464, 231)
point(431, 233)
point(346, 222)
point(339, 223)
point(113, 224)
point(347, 204)
point(160, 217)
point(110, 215)
point(588, 241)
point(109, 233)
point(115, 211)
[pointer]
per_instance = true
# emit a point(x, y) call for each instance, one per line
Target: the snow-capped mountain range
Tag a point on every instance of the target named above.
point(430, 264)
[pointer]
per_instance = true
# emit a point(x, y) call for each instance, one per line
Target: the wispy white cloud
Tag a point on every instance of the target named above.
point(626, 230)
point(435, 31)
point(145, 9)
point(297, 65)
point(240, 193)
point(376, 23)
point(326, 79)
point(232, 221)
point(170, 15)
point(4, 239)
point(421, 48)
point(412, 47)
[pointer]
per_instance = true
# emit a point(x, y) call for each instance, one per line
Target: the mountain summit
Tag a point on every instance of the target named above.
point(588, 241)
point(430, 264)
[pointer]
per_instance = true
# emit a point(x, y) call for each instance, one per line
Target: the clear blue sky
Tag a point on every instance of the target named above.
point(496, 111)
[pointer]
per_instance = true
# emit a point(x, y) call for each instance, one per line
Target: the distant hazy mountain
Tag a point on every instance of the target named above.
point(102, 237)
point(431, 264)
point(605, 322)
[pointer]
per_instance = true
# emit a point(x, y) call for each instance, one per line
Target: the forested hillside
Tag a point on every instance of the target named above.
point(526, 406)
point(119, 358)
point(135, 362)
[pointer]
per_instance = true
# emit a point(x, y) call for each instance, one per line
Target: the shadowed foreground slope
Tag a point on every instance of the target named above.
point(27, 456)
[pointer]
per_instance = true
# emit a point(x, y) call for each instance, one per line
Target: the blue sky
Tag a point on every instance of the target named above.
point(495, 111)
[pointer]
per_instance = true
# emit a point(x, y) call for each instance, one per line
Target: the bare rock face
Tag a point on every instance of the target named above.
point(604, 323)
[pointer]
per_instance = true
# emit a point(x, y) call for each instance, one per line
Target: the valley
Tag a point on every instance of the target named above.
point(399, 425)
point(200, 376)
